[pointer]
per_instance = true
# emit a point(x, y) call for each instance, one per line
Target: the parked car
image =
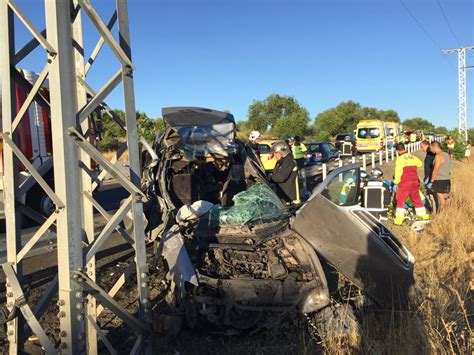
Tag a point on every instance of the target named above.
point(341, 138)
point(236, 257)
point(321, 152)
point(266, 156)
point(430, 136)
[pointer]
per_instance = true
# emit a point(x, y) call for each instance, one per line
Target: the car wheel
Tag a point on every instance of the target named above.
point(337, 322)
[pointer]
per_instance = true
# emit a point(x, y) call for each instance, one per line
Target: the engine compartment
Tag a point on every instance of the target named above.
point(240, 283)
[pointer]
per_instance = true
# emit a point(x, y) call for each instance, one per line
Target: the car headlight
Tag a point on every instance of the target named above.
point(314, 301)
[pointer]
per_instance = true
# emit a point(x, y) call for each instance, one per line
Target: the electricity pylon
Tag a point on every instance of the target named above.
point(462, 101)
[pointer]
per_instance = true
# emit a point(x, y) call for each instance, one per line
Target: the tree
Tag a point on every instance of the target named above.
point(341, 119)
point(418, 123)
point(294, 124)
point(112, 136)
point(264, 115)
point(470, 135)
point(441, 130)
point(146, 126)
point(389, 115)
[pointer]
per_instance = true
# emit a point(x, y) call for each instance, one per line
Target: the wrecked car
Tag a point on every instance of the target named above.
point(235, 254)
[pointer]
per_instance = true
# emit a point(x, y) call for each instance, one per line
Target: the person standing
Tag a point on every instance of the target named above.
point(299, 151)
point(450, 144)
point(254, 139)
point(428, 163)
point(467, 153)
point(285, 173)
point(441, 177)
point(407, 184)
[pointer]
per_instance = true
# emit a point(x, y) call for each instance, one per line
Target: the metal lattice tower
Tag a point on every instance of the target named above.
point(72, 102)
point(462, 101)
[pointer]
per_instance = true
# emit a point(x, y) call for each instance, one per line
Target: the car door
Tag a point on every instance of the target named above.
point(353, 241)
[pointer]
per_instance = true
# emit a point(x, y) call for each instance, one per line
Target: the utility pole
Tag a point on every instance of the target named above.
point(462, 102)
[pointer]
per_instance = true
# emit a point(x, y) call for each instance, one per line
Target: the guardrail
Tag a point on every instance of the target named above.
point(367, 159)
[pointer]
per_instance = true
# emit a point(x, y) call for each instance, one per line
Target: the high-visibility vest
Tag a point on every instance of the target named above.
point(298, 150)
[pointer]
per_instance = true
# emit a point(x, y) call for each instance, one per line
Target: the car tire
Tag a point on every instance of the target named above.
point(337, 322)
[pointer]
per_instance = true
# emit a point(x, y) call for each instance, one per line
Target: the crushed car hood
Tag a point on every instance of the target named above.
point(203, 132)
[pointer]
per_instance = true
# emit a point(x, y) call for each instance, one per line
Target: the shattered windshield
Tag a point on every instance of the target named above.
point(259, 204)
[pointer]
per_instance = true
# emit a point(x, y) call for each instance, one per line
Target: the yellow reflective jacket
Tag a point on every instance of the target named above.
point(405, 169)
point(298, 150)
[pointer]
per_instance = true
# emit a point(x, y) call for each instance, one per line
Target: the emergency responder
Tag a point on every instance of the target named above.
point(254, 138)
point(285, 173)
point(299, 151)
point(450, 144)
point(407, 184)
point(428, 163)
point(441, 177)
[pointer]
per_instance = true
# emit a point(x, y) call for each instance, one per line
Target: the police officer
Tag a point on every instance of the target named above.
point(285, 173)
point(299, 151)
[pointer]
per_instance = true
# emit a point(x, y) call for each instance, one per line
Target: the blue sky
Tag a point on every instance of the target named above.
point(224, 54)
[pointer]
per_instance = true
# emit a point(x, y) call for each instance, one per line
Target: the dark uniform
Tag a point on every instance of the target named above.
point(285, 175)
point(428, 165)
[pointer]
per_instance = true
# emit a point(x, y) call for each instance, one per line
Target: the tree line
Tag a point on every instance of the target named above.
point(280, 116)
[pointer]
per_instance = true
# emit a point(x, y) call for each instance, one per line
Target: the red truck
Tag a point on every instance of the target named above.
point(34, 140)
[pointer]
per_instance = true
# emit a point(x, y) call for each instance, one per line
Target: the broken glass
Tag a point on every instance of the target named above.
point(258, 204)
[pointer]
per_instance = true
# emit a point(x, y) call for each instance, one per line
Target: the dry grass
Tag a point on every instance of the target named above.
point(440, 320)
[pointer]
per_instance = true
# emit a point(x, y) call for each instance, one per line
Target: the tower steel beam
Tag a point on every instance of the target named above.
point(67, 176)
point(12, 223)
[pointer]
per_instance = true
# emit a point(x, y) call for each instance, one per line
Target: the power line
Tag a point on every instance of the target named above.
point(425, 31)
point(448, 23)
point(420, 25)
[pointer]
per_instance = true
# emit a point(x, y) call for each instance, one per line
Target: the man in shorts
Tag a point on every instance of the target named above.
point(441, 176)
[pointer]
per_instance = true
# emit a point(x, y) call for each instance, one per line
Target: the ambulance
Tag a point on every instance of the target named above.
point(370, 136)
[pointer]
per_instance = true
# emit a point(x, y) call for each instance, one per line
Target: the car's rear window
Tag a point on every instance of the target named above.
point(314, 148)
point(369, 132)
point(330, 147)
point(264, 149)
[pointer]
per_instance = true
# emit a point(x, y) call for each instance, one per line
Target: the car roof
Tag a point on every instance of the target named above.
point(195, 116)
point(320, 142)
point(268, 141)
